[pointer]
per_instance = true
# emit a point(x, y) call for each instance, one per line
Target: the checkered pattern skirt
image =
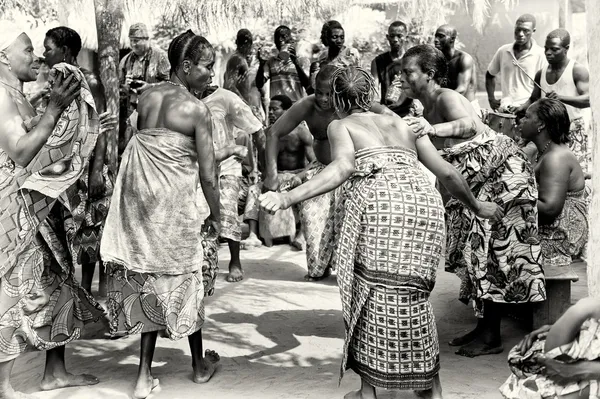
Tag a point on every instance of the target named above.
point(395, 343)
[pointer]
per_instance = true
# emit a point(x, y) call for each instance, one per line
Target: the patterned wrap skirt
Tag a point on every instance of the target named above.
point(499, 262)
point(391, 235)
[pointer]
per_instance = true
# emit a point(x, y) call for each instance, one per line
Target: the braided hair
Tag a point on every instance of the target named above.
point(556, 118)
point(188, 46)
point(352, 87)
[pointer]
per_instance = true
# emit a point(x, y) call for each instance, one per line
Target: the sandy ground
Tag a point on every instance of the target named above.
point(278, 337)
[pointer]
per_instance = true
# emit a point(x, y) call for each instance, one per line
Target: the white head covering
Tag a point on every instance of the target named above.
point(9, 32)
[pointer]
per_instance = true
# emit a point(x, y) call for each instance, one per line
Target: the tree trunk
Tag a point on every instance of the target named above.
point(593, 32)
point(564, 14)
point(109, 18)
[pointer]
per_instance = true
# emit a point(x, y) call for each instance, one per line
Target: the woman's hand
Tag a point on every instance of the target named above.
point(420, 126)
point(272, 202)
point(528, 340)
point(561, 373)
point(108, 122)
point(240, 151)
point(64, 91)
point(489, 210)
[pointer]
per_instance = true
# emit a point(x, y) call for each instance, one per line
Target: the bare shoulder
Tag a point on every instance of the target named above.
point(466, 60)
point(580, 72)
point(447, 96)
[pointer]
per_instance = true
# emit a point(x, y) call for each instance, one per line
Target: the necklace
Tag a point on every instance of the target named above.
point(176, 84)
point(537, 159)
point(12, 87)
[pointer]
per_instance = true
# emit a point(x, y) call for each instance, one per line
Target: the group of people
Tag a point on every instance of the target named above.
point(388, 172)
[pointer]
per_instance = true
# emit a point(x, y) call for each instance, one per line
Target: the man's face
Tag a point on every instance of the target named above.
point(139, 45)
point(442, 40)
point(275, 111)
point(554, 50)
point(396, 37)
point(523, 32)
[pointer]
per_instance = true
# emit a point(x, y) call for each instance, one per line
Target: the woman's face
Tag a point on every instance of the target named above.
point(323, 94)
point(530, 124)
point(52, 53)
point(413, 79)
point(200, 75)
point(25, 65)
point(336, 38)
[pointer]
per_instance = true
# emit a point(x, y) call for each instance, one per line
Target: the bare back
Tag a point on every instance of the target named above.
point(171, 107)
point(368, 130)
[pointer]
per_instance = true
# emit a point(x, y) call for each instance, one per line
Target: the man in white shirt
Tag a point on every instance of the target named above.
point(516, 64)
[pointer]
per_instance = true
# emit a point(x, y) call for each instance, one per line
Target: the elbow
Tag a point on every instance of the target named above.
point(22, 159)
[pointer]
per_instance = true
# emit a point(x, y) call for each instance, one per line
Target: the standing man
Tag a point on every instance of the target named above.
point(386, 67)
point(139, 70)
point(241, 71)
point(333, 37)
point(462, 76)
point(516, 85)
point(567, 81)
point(287, 73)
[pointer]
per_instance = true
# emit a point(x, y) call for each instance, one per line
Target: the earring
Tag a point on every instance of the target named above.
point(539, 129)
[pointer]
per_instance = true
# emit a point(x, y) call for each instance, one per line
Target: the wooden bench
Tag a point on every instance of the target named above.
point(558, 295)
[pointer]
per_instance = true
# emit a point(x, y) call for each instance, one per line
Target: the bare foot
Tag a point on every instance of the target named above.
point(144, 387)
point(480, 348)
point(251, 242)
point(67, 380)
point(465, 339)
point(326, 274)
point(9, 393)
point(207, 367)
point(235, 273)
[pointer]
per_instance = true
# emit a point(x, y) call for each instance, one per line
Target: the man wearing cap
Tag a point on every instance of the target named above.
point(144, 66)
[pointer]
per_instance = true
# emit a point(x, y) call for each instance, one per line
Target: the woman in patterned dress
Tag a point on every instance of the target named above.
point(498, 263)
point(152, 241)
point(42, 306)
point(562, 194)
point(391, 232)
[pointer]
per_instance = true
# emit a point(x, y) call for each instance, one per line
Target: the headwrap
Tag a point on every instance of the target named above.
point(9, 32)
point(139, 30)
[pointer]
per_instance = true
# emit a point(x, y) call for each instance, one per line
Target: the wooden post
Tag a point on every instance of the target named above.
point(593, 32)
point(564, 14)
point(109, 19)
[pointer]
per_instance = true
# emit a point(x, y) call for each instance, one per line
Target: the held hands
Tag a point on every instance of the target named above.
point(212, 226)
point(420, 126)
point(64, 91)
point(272, 202)
point(489, 210)
point(270, 183)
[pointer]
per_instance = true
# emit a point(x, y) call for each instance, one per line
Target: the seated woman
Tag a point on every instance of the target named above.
point(391, 233)
point(42, 306)
point(152, 238)
point(498, 263)
point(559, 361)
point(562, 194)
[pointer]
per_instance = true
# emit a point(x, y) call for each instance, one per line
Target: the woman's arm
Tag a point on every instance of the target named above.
point(209, 179)
point(22, 146)
point(461, 125)
point(553, 184)
point(334, 174)
point(453, 180)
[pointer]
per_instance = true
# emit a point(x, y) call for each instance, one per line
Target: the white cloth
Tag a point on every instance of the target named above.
point(565, 85)
point(9, 32)
point(516, 86)
point(231, 116)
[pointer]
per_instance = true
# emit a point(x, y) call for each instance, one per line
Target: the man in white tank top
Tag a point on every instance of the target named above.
point(567, 81)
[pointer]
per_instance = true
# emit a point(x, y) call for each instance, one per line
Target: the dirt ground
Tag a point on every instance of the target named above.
point(278, 337)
